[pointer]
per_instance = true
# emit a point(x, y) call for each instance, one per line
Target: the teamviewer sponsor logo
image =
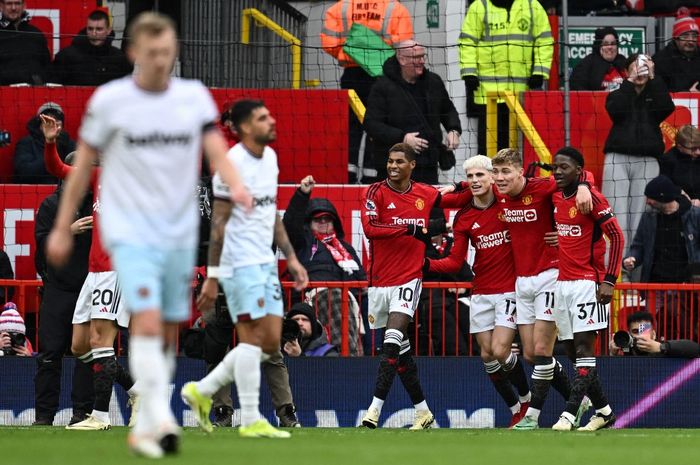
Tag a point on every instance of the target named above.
point(520, 215)
point(486, 241)
point(417, 221)
point(569, 230)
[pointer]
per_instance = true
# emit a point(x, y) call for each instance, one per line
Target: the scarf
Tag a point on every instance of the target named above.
point(338, 252)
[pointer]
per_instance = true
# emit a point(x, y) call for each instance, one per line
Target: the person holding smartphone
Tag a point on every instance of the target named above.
point(641, 328)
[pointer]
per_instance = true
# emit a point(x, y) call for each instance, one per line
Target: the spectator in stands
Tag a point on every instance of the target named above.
point(442, 318)
point(667, 246)
point(312, 340)
point(682, 162)
point(29, 153)
point(634, 143)
point(60, 293)
point(317, 235)
point(604, 68)
point(408, 104)
point(24, 55)
point(678, 64)
point(90, 60)
point(503, 45)
point(13, 340)
point(6, 272)
point(392, 22)
point(648, 345)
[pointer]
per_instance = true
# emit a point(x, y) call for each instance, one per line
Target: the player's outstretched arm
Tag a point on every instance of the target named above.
point(215, 148)
point(221, 212)
point(60, 241)
point(301, 278)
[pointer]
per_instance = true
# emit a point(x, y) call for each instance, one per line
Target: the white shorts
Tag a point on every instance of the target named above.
point(535, 297)
point(101, 299)
point(384, 300)
point(578, 310)
point(487, 311)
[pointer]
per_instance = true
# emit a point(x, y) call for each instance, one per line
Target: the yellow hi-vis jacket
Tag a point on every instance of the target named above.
point(503, 49)
point(388, 18)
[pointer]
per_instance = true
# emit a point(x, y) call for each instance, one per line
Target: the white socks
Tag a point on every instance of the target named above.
point(221, 375)
point(148, 365)
point(246, 373)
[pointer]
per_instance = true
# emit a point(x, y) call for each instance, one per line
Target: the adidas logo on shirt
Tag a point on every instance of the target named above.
point(475, 226)
point(391, 206)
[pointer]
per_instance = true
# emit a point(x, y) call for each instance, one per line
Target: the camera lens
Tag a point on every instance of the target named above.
point(623, 340)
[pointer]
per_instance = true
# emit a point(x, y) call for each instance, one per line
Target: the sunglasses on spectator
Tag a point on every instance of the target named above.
point(605, 44)
point(323, 219)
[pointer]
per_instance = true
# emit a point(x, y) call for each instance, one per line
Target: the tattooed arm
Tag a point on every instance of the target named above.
point(298, 272)
point(221, 212)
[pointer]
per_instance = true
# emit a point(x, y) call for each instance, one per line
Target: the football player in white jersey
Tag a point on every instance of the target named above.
point(149, 130)
point(242, 259)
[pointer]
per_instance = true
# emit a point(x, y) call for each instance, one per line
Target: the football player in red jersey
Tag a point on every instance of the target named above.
point(395, 217)
point(585, 285)
point(492, 312)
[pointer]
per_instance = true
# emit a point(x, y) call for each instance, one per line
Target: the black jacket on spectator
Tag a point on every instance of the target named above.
point(70, 277)
point(589, 72)
point(24, 55)
point(6, 272)
point(83, 64)
point(677, 70)
point(392, 112)
point(683, 170)
point(314, 255)
point(29, 155)
point(636, 118)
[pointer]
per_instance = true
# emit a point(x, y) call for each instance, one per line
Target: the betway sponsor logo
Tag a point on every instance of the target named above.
point(519, 215)
point(569, 230)
point(486, 241)
point(158, 139)
point(417, 221)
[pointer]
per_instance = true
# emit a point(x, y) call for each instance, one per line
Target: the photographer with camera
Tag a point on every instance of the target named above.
point(12, 333)
point(641, 340)
point(303, 334)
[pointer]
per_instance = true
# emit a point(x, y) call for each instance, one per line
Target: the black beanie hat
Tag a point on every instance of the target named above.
point(662, 189)
point(571, 153)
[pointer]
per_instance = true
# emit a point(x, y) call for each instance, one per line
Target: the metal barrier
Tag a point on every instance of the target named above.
point(211, 49)
point(441, 323)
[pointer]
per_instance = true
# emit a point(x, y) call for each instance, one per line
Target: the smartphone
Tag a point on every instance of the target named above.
point(642, 66)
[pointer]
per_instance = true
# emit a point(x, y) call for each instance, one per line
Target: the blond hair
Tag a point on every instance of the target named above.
point(508, 156)
point(478, 161)
point(688, 136)
point(150, 24)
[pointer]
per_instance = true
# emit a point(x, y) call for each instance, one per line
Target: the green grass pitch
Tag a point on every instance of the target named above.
point(340, 446)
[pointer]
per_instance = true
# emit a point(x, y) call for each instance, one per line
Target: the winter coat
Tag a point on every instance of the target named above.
point(678, 71)
point(24, 55)
point(83, 64)
point(392, 112)
point(312, 253)
point(683, 170)
point(589, 72)
point(636, 118)
point(29, 155)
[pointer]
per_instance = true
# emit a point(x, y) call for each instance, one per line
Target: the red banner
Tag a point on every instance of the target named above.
point(590, 123)
point(309, 141)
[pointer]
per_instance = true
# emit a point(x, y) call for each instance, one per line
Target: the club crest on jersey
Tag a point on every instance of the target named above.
point(572, 212)
point(420, 204)
point(369, 205)
point(527, 200)
point(501, 217)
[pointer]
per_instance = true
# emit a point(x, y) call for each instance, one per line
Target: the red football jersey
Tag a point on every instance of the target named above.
point(99, 259)
point(493, 268)
point(395, 257)
point(529, 216)
point(581, 243)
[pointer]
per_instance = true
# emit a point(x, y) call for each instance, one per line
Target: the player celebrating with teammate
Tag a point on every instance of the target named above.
point(492, 313)
point(585, 286)
point(395, 213)
point(99, 310)
point(241, 257)
point(149, 130)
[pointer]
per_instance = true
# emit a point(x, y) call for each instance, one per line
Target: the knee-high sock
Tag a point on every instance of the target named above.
point(408, 373)
point(541, 379)
point(585, 373)
point(499, 379)
point(513, 367)
point(104, 372)
point(595, 393)
point(246, 373)
point(123, 377)
point(560, 381)
point(221, 375)
point(147, 363)
point(388, 363)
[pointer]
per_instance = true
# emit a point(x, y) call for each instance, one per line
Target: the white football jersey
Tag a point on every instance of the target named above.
point(150, 144)
point(249, 236)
